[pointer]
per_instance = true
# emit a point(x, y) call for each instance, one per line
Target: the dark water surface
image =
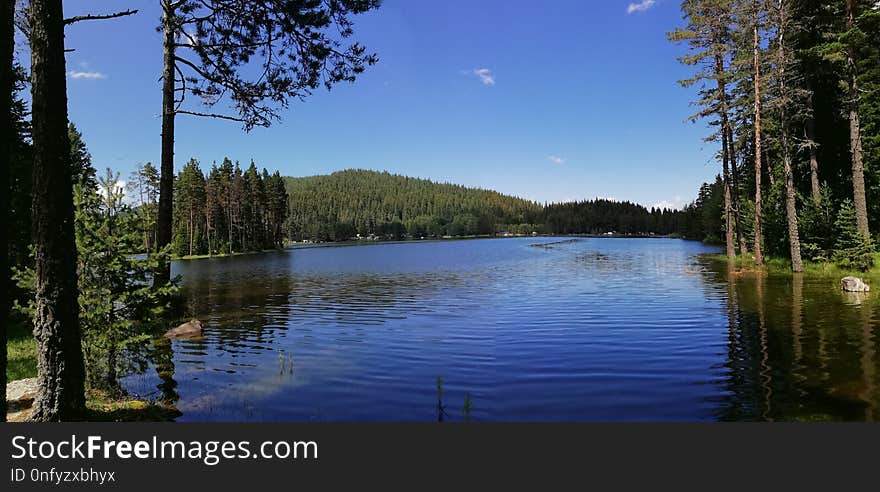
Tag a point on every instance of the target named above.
point(583, 330)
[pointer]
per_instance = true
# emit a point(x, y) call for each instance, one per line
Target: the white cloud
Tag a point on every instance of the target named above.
point(485, 75)
point(642, 6)
point(556, 160)
point(75, 74)
point(675, 204)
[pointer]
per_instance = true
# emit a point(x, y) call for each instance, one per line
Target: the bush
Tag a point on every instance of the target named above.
point(853, 251)
point(817, 227)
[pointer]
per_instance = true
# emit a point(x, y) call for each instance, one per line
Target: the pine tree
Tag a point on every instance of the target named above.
point(297, 45)
point(852, 249)
point(708, 36)
point(785, 101)
point(117, 306)
point(7, 88)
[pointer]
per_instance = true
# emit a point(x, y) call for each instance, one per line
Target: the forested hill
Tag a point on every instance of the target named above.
point(341, 205)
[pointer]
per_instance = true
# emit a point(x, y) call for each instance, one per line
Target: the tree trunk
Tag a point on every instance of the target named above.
point(7, 86)
point(810, 129)
point(759, 257)
point(737, 207)
point(725, 158)
point(855, 132)
point(191, 235)
point(208, 231)
point(56, 325)
point(794, 241)
point(166, 180)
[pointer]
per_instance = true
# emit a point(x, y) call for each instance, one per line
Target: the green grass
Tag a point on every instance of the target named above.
point(782, 266)
point(105, 407)
point(21, 348)
point(219, 255)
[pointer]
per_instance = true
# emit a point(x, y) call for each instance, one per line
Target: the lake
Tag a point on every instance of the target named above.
point(526, 329)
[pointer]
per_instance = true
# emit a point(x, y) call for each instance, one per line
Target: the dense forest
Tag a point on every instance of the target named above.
point(791, 91)
point(347, 204)
point(228, 210)
point(604, 216)
point(342, 205)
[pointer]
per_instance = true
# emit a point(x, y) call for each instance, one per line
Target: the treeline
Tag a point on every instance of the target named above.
point(345, 204)
point(791, 90)
point(608, 216)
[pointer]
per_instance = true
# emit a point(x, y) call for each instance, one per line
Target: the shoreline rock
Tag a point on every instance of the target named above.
point(854, 284)
point(190, 329)
point(20, 397)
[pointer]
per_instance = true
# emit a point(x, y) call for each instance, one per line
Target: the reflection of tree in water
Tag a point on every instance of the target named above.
point(797, 350)
point(163, 360)
point(244, 318)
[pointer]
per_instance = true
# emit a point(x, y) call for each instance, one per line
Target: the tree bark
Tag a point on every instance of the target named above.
point(7, 86)
point(56, 325)
point(759, 257)
point(810, 129)
point(794, 241)
point(737, 206)
point(166, 180)
point(191, 232)
point(855, 132)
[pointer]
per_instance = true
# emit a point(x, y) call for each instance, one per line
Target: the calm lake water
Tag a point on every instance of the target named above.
point(534, 329)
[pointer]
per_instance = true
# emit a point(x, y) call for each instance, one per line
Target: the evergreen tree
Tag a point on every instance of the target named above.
point(209, 44)
point(852, 249)
point(117, 306)
point(708, 36)
point(7, 137)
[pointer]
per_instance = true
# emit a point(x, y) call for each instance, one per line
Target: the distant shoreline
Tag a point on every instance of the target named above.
point(352, 243)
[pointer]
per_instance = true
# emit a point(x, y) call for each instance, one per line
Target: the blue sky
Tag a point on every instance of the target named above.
point(555, 100)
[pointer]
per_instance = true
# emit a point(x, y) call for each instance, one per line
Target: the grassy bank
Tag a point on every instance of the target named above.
point(782, 266)
point(21, 349)
point(219, 255)
point(105, 407)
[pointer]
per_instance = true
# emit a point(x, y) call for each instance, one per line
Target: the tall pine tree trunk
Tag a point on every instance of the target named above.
point(56, 326)
point(7, 86)
point(725, 157)
point(737, 206)
point(166, 180)
point(855, 132)
point(797, 264)
point(810, 129)
point(759, 256)
point(191, 231)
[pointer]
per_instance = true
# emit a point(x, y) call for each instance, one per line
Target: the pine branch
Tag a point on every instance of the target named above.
point(79, 18)
point(211, 115)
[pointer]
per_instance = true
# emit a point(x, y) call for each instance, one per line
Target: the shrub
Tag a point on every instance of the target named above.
point(852, 250)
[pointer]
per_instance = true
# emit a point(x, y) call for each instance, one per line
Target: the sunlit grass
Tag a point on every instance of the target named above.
point(782, 266)
point(21, 350)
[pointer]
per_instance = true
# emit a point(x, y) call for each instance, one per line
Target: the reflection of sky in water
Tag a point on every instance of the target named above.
point(593, 329)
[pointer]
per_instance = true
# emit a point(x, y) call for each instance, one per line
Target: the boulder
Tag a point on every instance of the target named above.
point(20, 397)
point(854, 284)
point(190, 329)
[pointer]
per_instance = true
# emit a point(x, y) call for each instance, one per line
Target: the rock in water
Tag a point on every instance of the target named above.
point(190, 329)
point(854, 284)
